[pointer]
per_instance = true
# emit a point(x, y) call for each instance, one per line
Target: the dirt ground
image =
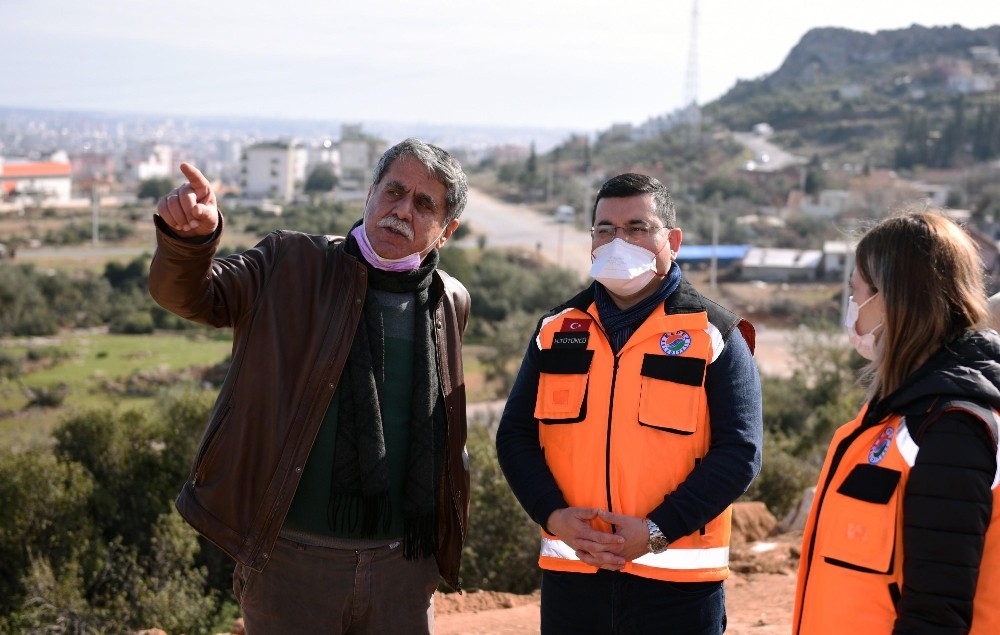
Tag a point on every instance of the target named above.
point(759, 593)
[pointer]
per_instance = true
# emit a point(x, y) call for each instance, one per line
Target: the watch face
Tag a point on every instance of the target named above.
point(658, 544)
point(657, 541)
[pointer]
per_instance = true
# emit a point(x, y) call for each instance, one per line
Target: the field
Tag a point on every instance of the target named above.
point(94, 369)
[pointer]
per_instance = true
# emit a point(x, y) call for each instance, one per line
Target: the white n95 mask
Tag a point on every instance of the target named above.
point(623, 268)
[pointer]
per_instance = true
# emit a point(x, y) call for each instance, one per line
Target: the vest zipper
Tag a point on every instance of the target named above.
point(607, 446)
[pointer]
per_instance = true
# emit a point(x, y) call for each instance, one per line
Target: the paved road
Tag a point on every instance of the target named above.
point(509, 225)
point(776, 157)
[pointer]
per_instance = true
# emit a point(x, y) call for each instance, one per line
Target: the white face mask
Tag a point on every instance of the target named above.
point(863, 344)
point(623, 268)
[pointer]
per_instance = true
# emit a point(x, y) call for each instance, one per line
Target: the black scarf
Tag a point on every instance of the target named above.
point(360, 477)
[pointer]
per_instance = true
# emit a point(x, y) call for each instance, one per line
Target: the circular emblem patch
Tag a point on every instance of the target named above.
point(675, 343)
point(881, 446)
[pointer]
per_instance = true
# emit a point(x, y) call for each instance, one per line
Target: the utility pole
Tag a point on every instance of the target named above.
point(691, 79)
point(848, 265)
point(95, 205)
point(715, 249)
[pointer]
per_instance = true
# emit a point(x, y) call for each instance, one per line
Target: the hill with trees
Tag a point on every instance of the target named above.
point(919, 103)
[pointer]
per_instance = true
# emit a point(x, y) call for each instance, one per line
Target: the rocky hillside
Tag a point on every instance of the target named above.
point(832, 52)
point(850, 96)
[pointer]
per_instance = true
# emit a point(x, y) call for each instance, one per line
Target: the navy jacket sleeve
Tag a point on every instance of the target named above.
point(518, 449)
point(947, 506)
point(732, 385)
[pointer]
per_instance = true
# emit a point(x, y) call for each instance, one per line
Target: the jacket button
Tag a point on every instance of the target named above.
point(298, 470)
point(357, 300)
point(264, 555)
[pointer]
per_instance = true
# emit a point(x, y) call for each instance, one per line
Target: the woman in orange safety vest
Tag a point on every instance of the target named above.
point(904, 531)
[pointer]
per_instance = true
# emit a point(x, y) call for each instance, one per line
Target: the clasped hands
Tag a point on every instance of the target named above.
point(599, 548)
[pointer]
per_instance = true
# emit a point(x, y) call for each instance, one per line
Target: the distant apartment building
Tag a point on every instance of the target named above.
point(325, 153)
point(36, 182)
point(274, 170)
point(359, 154)
point(151, 161)
point(89, 168)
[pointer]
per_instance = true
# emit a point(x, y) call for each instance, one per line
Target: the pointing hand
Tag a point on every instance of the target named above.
point(191, 209)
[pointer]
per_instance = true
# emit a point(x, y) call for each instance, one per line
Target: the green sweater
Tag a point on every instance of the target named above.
point(308, 512)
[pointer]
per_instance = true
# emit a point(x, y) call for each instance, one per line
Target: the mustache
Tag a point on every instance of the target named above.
point(395, 223)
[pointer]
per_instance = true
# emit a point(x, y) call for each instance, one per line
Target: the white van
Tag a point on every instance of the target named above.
point(565, 214)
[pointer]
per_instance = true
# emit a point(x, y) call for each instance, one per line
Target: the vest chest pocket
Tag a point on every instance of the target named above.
point(671, 396)
point(562, 385)
point(860, 520)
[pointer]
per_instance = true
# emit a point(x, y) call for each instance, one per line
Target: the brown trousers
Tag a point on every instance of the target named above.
point(312, 590)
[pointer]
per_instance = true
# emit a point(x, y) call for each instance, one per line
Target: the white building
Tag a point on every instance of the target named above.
point(326, 153)
point(781, 265)
point(359, 154)
point(837, 254)
point(36, 181)
point(155, 162)
point(828, 204)
point(274, 170)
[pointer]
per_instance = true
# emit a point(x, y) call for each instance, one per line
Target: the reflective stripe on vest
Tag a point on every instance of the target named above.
point(606, 420)
point(679, 559)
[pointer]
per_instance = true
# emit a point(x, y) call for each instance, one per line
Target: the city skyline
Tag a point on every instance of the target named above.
point(570, 65)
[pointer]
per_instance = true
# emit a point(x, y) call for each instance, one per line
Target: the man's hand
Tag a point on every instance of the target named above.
point(632, 530)
point(191, 209)
point(597, 548)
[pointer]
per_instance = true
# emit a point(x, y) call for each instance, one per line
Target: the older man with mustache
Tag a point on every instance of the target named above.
point(333, 469)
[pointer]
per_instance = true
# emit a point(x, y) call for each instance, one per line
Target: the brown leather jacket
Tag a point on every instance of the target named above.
point(293, 302)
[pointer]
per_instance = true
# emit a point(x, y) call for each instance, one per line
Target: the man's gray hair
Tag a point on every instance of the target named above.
point(445, 167)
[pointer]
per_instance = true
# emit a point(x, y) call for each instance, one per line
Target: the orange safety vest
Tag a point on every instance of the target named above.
point(620, 432)
point(851, 571)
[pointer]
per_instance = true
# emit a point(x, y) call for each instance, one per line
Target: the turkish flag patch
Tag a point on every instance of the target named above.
point(576, 324)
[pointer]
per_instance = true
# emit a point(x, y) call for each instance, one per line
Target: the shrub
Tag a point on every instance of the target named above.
point(43, 515)
point(501, 548)
point(133, 323)
point(50, 396)
point(782, 478)
point(10, 366)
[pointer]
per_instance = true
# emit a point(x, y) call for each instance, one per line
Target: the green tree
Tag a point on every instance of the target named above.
point(508, 340)
point(154, 188)
point(321, 179)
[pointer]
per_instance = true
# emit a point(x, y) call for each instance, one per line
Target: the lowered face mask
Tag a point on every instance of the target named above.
point(406, 263)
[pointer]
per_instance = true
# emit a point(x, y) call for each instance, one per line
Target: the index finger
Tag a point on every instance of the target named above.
point(613, 518)
point(197, 180)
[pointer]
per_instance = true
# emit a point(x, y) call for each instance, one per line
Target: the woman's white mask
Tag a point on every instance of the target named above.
point(863, 344)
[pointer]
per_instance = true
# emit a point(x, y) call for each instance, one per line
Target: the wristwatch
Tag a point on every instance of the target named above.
point(657, 541)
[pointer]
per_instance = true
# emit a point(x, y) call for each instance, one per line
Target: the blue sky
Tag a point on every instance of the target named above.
point(580, 64)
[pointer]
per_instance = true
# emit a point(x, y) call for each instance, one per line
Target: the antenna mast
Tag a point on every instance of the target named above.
point(691, 81)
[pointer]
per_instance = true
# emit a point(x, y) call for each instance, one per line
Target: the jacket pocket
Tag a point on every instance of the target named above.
point(671, 397)
point(859, 531)
point(562, 385)
point(207, 448)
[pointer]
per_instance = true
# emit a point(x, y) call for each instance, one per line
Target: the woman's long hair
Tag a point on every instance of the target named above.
point(930, 276)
